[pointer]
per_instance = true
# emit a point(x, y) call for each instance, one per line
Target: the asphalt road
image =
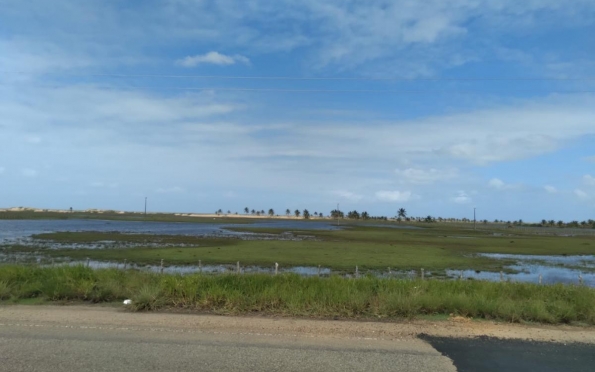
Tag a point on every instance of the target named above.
point(26, 347)
point(488, 354)
point(84, 338)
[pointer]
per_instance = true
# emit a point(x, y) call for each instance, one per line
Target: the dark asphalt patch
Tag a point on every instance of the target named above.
point(487, 354)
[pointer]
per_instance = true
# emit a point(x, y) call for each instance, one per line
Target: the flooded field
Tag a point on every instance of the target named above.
point(14, 230)
point(308, 248)
point(529, 268)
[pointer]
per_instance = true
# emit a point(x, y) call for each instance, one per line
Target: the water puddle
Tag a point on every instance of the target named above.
point(529, 268)
point(205, 269)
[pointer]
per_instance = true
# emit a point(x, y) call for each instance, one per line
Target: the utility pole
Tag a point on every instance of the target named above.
point(474, 221)
point(145, 205)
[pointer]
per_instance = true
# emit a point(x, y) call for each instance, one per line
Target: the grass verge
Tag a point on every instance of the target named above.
point(292, 295)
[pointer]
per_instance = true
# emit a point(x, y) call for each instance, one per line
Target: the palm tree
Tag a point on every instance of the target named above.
point(337, 213)
point(262, 212)
point(246, 210)
point(543, 222)
point(402, 213)
point(353, 215)
point(258, 213)
point(365, 216)
point(253, 211)
point(297, 213)
point(271, 212)
point(287, 212)
point(306, 214)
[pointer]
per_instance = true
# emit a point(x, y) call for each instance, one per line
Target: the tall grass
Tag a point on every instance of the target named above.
point(292, 295)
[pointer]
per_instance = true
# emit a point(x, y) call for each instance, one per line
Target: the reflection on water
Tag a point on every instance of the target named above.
point(587, 261)
point(528, 268)
point(13, 230)
point(205, 269)
point(20, 231)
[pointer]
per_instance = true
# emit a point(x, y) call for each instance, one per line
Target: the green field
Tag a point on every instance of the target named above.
point(292, 295)
point(435, 248)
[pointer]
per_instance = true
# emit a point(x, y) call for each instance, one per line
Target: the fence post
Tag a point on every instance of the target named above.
point(461, 275)
point(318, 270)
point(238, 267)
point(125, 263)
point(422, 274)
point(501, 276)
point(200, 266)
point(540, 278)
point(276, 268)
point(580, 279)
point(356, 272)
point(161, 266)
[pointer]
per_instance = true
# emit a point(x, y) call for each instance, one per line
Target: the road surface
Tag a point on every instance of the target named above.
point(54, 338)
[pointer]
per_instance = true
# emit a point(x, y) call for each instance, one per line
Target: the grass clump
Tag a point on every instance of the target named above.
point(293, 295)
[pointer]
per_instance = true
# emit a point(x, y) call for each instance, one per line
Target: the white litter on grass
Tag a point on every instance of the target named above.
point(127, 302)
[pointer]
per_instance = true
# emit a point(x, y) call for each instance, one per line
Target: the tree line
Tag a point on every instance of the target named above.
point(402, 215)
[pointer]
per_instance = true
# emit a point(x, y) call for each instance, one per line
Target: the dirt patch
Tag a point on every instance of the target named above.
point(459, 319)
point(103, 317)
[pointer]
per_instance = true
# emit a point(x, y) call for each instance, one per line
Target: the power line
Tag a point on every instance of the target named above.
point(231, 77)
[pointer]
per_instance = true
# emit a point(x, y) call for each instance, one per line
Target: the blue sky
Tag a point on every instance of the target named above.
point(434, 106)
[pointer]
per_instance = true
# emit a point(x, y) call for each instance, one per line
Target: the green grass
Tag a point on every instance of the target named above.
point(89, 237)
point(292, 295)
point(435, 249)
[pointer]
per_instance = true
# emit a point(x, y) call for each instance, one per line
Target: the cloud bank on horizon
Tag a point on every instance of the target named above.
point(434, 106)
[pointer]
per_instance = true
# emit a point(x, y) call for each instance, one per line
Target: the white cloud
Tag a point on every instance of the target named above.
point(581, 194)
point(28, 172)
point(461, 198)
point(421, 176)
point(505, 133)
point(550, 189)
point(498, 184)
point(35, 58)
point(394, 196)
point(589, 180)
point(214, 58)
point(422, 35)
point(348, 195)
point(170, 190)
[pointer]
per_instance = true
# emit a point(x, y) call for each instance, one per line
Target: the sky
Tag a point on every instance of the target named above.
point(438, 107)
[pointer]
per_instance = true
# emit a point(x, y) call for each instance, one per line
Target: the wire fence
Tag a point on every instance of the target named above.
point(571, 277)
